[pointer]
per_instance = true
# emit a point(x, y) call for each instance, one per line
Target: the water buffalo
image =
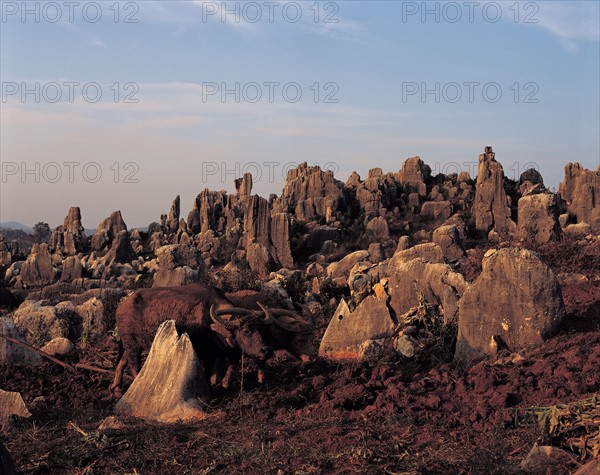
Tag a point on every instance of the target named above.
point(198, 310)
point(285, 330)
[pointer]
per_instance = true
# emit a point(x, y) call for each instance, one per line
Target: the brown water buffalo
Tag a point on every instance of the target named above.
point(286, 331)
point(198, 310)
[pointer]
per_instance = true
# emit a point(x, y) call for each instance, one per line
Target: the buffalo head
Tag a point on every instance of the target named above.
point(292, 332)
point(241, 327)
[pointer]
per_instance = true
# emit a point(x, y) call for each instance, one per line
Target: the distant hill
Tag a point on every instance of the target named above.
point(16, 225)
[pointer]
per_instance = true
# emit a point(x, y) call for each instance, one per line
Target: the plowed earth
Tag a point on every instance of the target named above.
point(393, 417)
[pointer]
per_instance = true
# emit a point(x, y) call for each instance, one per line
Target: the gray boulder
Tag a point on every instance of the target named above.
point(171, 383)
point(515, 302)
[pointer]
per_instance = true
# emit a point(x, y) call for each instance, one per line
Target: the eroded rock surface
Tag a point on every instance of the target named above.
point(171, 382)
point(516, 302)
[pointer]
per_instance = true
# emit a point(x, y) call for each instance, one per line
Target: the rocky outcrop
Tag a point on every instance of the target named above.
point(107, 231)
point(69, 239)
point(516, 302)
point(94, 323)
point(350, 334)
point(281, 234)
point(428, 251)
point(257, 242)
point(538, 218)
point(243, 186)
point(310, 192)
point(37, 269)
point(531, 182)
point(377, 195)
point(377, 230)
point(178, 265)
point(40, 323)
point(581, 192)
point(71, 269)
point(435, 213)
point(438, 283)
point(11, 353)
point(414, 176)
point(578, 231)
point(341, 269)
point(120, 251)
point(491, 207)
point(449, 240)
point(171, 383)
point(172, 223)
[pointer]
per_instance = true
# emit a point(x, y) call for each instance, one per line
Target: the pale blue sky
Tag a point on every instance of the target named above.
point(174, 135)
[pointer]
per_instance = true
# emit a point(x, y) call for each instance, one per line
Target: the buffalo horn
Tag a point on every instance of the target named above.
point(268, 317)
point(217, 319)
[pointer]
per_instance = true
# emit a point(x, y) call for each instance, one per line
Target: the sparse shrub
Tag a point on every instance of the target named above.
point(244, 279)
point(329, 290)
point(71, 322)
point(295, 286)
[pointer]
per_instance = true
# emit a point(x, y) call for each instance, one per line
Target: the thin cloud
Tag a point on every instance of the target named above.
point(571, 22)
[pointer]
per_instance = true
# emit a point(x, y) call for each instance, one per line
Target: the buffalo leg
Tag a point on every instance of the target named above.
point(261, 372)
point(226, 381)
point(116, 386)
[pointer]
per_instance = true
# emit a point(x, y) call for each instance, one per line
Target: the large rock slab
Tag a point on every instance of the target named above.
point(435, 213)
point(414, 176)
point(120, 250)
point(491, 206)
point(39, 323)
point(171, 382)
point(428, 251)
point(309, 192)
point(11, 353)
point(71, 269)
point(69, 239)
point(179, 264)
point(173, 218)
point(449, 240)
point(281, 232)
point(341, 268)
point(108, 230)
point(581, 191)
point(538, 218)
point(348, 333)
point(516, 299)
point(436, 281)
point(94, 324)
point(37, 269)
